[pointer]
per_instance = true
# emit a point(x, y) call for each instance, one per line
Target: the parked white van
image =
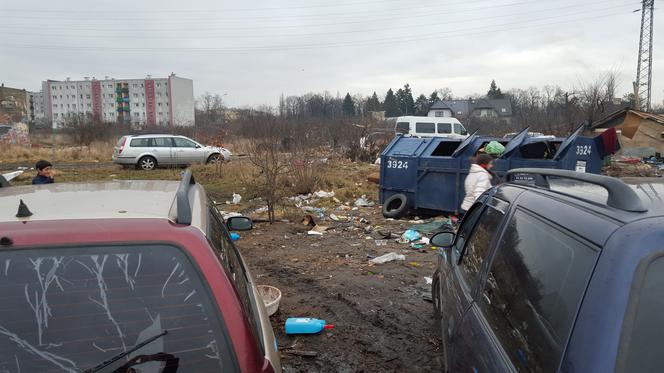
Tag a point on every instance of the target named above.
point(430, 127)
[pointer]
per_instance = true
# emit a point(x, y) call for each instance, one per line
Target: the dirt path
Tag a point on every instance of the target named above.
point(383, 320)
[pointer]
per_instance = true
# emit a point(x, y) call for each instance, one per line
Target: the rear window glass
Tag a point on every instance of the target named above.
point(70, 309)
point(425, 127)
point(162, 142)
point(533, 291)
point(444, 128)
point(643, 337)
point(402, 127)
point(459, 129)
point(140, 143)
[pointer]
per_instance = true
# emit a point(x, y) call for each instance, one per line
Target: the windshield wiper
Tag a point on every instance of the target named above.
point(123, 354)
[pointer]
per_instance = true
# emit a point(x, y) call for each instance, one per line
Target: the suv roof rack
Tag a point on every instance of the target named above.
point(182, 198)
point(621, 196)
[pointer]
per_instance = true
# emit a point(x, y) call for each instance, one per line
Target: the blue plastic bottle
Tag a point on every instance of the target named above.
point(235, 236)
point(306, 325)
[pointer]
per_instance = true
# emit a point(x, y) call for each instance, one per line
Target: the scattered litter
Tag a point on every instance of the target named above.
point(324, 194)
point(388, 258)
point(428, 280)
point(306, 325)
point(385, 234)
point(309, 221)
point(271, 297)
point(417, 221)
point(437, 225)
point(236, 198)
point(319, 212)
point(381, 242)
point(320, 228)
point(300, 353)
point(226, 214)
point(417, 246)
point(235, 236)
point(314, 233)
point(374, 178)
point(260, 210)
point(336, 200)
point(334, 217)
point(363, 202)
point(11, 175)
point(410, 236)
point(414, 264)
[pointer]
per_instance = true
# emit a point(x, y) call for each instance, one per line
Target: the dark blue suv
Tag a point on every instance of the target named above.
point(555, 271)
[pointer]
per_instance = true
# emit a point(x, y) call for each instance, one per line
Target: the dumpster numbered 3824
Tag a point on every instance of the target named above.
point(428, 174)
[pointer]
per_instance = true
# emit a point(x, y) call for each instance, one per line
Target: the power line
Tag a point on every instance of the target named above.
point(265, 27)
point(268, 48)
point(364, 31)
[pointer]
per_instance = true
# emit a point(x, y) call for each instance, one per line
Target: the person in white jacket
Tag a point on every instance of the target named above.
point(477, 181)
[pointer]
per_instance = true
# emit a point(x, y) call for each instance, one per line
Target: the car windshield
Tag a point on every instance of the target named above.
point(70, 309)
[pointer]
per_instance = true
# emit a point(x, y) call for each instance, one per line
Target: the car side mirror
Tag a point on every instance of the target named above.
point(239, 223)
point(198, 146)
point(443, 239)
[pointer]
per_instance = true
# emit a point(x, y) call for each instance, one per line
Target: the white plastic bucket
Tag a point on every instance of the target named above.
point(271, 298)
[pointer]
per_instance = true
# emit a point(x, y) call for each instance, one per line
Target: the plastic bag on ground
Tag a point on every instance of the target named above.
point(363, 202)
point(236, 198)
point(411, 235)
point(324, 194)
point(388, 258)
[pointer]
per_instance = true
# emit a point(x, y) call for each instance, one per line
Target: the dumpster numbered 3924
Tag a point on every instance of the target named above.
point(428, 174)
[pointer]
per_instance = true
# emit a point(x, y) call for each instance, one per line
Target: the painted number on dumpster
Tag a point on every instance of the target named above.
point(583, 149)
point(397, 164)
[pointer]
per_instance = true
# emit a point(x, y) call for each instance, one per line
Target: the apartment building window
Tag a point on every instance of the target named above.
point(158, 85)
point(82, 97)
point(68, 106)
point(158, 94)
point(55, 97)
point(61, 88)
point(62, 106)
point(87, 96)
point(73, 106)
point(136, 104)
point(61, 97)
point(167, 104)
point(89, 105)
point(141, 85)
point(135, 94)
point(52, 88)
point(136, 114)
point(55, 106)
point(159, 104)
point(142, 94)
point(144, 104)
point(166, 94)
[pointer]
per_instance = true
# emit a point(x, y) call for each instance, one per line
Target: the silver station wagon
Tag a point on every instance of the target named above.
point(150, 151)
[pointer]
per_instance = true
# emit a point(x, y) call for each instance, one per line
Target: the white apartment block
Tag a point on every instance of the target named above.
point(138, 102)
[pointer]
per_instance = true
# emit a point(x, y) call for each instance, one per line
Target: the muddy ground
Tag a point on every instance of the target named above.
point(382, 313)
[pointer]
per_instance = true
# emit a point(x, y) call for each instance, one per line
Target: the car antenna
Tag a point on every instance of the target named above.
point(23, 210)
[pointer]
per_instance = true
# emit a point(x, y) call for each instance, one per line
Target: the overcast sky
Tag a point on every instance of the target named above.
point(253, 51)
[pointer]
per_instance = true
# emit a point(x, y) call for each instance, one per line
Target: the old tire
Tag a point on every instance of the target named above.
point(214, 158)
point(395, 206)
point(147, 163)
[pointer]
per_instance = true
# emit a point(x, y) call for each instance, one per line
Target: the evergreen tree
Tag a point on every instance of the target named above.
point(494, 91)
point(422, 106)
point(348, 106)
point(405, 100)
point(390, 105)
point(373, 103)
point(433, 98)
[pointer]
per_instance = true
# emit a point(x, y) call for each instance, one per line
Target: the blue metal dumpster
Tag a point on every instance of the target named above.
point(429, 173)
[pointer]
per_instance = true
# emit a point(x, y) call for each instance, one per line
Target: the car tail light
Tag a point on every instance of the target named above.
point(124, 140)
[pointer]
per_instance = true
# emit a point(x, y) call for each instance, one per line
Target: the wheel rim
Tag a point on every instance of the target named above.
point(147, 164)
point(214, 158)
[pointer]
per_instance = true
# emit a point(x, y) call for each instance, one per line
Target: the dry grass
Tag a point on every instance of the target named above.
point(96, 152)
